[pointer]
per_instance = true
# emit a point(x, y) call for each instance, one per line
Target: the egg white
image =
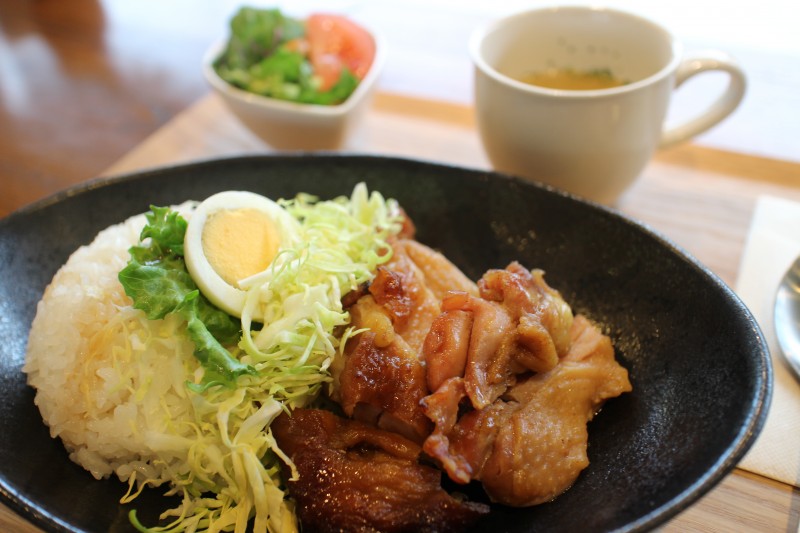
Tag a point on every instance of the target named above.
point(222, 294)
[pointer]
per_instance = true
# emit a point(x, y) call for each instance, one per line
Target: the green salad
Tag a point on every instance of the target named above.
point(318, 60)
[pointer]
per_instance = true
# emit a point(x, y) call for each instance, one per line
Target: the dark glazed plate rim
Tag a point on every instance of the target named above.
point(761, 377)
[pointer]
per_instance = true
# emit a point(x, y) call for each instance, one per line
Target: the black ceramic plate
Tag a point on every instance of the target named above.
point(698, 362)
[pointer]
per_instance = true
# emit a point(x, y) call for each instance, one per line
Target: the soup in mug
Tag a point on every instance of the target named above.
point(572, 80)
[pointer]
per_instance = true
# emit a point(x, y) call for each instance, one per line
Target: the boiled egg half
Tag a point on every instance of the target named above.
point(231, 236)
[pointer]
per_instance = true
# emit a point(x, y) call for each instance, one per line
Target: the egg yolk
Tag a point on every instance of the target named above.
point(239, 243)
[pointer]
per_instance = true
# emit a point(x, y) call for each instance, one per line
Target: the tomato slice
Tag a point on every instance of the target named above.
point(334, 42)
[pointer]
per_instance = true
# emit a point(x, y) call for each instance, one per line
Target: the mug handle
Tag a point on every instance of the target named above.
point(724, 105)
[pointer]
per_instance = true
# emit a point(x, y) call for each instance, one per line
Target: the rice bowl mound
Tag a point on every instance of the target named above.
point(109, 382)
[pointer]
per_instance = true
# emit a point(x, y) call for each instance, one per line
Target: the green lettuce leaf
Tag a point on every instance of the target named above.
point(167, 228)
point(257, 33)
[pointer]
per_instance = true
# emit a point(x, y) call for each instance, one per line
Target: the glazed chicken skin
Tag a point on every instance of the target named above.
point(500, 388)
point(533, 376)
point(357, 478)
point(528, 446)
point(494, 381)
point(382, 379)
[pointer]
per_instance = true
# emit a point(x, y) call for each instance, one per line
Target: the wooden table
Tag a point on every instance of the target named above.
point(701, 198)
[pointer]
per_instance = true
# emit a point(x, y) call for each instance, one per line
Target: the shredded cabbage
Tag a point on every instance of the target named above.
point(231, 476)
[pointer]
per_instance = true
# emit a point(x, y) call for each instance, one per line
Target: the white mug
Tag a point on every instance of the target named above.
point(592, 143)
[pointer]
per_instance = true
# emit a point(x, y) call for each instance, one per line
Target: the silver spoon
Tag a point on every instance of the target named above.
point(787, 316)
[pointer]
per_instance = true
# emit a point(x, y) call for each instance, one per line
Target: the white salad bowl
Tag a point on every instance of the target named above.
point(288, 125)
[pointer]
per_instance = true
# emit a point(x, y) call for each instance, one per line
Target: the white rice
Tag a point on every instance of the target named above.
point(108, 381)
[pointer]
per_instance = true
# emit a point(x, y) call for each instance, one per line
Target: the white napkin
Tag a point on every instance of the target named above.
point(772, 246)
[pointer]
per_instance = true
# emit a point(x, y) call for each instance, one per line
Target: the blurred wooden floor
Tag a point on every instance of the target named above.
point(81, 84)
